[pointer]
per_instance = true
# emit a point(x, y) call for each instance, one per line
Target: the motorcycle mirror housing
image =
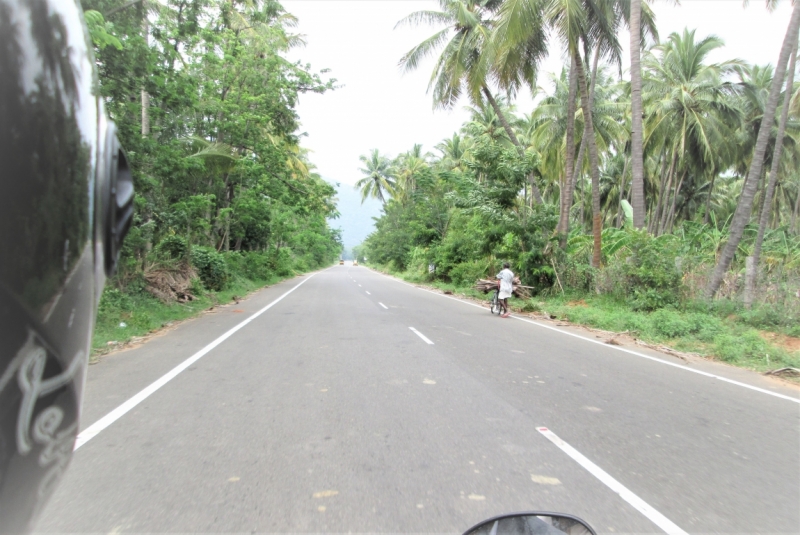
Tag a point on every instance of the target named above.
point(532, 523)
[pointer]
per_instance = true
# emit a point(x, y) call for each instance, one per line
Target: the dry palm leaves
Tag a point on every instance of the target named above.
point(170, 282)
point(485, 286)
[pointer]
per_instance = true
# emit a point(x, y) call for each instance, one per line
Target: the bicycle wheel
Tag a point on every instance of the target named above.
point(495, 306)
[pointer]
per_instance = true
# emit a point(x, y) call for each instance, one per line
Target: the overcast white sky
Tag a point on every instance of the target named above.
point(380, 107)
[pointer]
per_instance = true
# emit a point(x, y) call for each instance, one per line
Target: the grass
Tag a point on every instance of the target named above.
point(125, 316)
point(717, 331)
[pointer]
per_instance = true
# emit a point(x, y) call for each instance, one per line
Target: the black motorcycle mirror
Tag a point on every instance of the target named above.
point(532, 523)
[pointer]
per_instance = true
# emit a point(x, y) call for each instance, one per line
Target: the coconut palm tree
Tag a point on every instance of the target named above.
point(378, 181)
point(455, 152)
point(745, 206)
point(776, 160)
point(467, 61)
point(691, 113)
point(637, 128)
point(586, 25)
point(408, 169)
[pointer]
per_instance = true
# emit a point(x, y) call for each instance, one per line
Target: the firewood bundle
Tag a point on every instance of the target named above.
point(485, 286)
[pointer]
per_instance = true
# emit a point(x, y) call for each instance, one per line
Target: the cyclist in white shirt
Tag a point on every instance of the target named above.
point(506, 278)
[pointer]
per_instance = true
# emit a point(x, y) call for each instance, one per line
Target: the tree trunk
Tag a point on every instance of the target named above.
point(145, 95)
point(708, 198)
point(776, 158)
point(796, 209)
point(651, 226)
point(745, 206)
point(513, 137)
point(664, 198)
point(621, 191)
point(594, 168)
point(671, 217)
point(566, 190)
point(578, 163)
point(637, 129)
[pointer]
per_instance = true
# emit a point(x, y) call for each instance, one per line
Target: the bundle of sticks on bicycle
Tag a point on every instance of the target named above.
point(486, 286)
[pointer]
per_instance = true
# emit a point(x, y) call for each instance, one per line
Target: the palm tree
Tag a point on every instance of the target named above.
point(637, 128)
point(745, 206)
point(408, 169)
point(378, 181)
point(467, 60)
point(691, 118)
point(587, 24)
point(776, 159)
point(455, 152)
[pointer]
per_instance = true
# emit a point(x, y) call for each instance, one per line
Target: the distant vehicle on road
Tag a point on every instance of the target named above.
point(341, 262)
point(355, 262)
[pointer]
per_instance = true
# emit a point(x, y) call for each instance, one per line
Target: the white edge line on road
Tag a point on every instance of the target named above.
point(367, 292)
point(427, 341)
point(93, 430)
point(617, 348)
point(639, 504)
point(384, 306)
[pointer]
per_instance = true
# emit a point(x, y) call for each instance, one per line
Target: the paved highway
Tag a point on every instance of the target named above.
point(359, 403)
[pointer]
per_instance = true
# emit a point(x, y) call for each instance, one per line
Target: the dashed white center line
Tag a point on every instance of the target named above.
point(425, 338)
point(384, 306)
point(359, 286)
point(639, 504)
point(367, 292)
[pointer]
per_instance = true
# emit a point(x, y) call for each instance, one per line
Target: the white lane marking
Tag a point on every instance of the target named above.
point(367, 292)
point(93, 430)
point(640, 505)
point(427, 341)
point(384, 306)
point(359, 286)
point(617, 348)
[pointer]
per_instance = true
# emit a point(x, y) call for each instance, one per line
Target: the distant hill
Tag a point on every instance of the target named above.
point(356, 219)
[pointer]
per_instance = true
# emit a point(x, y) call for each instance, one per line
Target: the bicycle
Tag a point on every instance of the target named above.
point(495, 307)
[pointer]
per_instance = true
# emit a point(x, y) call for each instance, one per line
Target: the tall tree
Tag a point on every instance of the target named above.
point(378, 181)
point(467, 60)
point(776, 160)
point(637, 127)
point(745, 206)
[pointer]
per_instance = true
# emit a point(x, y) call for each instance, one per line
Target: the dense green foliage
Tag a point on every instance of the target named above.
point(520, 187)
point(496, 190)
point(204, 101)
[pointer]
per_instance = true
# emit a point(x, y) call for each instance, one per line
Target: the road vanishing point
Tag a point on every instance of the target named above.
point(349, 401)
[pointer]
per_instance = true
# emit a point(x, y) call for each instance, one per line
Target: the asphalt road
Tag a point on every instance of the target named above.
point(328, 413)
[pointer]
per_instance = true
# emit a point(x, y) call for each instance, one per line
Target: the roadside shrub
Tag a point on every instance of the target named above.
point(670, 324)
point(257, 266)
point(211, 267)
point(649, 273)
point(281, 261)
point(577, 274)
point(417, 264)
point(173, 246)
point(467, 273)
point(114, 300)
point(748, 345)
point(529, 305)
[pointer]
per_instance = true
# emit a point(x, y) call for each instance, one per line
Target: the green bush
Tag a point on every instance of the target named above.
point(281, 261)
point(670, 324)
point(748, 345)
point(173, 246)
point(257, 266)
point(211, 267)
point(650, 277)
point(467, 273)
point(114, 300)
